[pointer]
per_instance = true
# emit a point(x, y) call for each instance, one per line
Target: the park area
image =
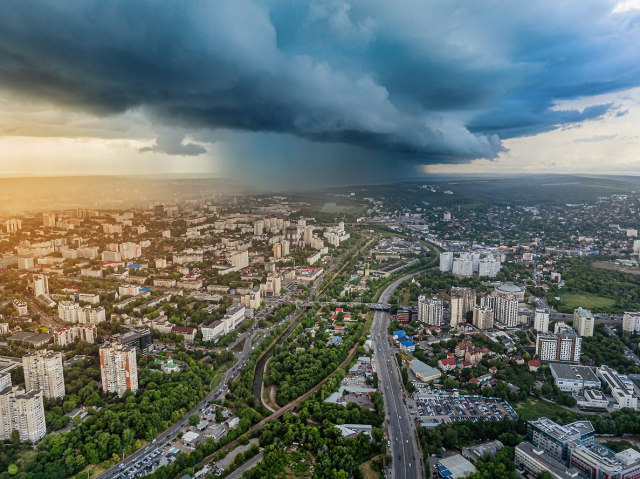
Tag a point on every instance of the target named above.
point(592, 302)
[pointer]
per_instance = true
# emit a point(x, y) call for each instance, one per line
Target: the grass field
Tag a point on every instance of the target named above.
point(367, 470)
point(533, 409)
point(592, 302)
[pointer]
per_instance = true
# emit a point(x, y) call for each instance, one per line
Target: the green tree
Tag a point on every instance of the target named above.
point(194, 420)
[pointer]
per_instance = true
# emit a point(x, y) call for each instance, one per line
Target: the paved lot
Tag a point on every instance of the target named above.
point(427, 408)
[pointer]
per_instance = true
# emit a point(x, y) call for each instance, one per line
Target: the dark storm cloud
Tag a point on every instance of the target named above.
point(430, 81)
point(172, 143)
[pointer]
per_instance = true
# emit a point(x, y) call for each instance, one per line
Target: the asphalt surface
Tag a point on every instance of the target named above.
point(406, 454)
point(246, 466)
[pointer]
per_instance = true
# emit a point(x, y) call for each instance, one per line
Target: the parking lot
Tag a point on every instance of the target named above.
point(150, 462)
point(438, 409)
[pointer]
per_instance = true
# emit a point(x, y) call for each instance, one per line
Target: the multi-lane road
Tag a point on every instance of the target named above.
point(405, 451)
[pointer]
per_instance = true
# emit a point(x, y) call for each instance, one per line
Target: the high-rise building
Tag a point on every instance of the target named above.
point(291, 234)
point(446, 261)
point(631, 322)
point(307, 235)
point(130, 250)
point(564, 347)
point(43, 370)
point(285, 248)
point(277, 250)
point(430, 311)
point(541, 320)
point(40, 284)
point(483, 317)
point(239, 259)
point(463, 300)
point(258, 228)
point(22, 411)
point(489, 266)
point(583, 321)
point(504, 301)
point(49, 220)
point(118, 368)
point(462, 267)
point(111, 256)
point(69, 312)
point(91, 315)
point(13, 225)
point(25, 263)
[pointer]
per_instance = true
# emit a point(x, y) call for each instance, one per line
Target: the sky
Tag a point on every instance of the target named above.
point(281, 92)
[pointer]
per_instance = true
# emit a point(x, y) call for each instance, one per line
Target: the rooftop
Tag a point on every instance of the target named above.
point(574, 373)
point(455, 467)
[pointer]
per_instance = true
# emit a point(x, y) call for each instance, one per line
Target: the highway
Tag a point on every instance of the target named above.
point(405, 451)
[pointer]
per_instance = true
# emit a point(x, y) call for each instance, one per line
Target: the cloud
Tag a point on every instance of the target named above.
point(427, 82)
point(595, 138)
point(172, 143)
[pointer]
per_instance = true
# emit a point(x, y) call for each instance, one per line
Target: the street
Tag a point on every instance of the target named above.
point(406, 454)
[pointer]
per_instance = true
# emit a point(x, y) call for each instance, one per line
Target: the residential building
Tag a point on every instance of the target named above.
point(631, 322)
point(22, 411)
point(20, 307)
point(25, 263)
point(40, 284)
point(541, 320)
point(91, 315)
point(483, 317)
point(463, 300)
point(43, 371)
point(49, 220)
point(446, 261)
point(118, 368)
point(239, 259)
point(563, 347)
point(583, 321)
point(504, 301)
point(462, 267)
point(430, 311)
point(13, 225)
point(187, 333)
point(277, 250)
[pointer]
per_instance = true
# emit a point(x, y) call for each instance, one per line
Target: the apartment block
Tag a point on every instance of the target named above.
point(118, 368)
point(430, 311)
point(463, 300)
point(23, 411)
point(43, 371)
point(583, 322)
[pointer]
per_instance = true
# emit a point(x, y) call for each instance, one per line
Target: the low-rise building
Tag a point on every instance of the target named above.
point(573, 378)
point(424, 372)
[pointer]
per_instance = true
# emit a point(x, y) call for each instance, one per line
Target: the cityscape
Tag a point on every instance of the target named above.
point(335, 239)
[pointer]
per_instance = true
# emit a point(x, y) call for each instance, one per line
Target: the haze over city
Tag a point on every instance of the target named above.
point(335, 239)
